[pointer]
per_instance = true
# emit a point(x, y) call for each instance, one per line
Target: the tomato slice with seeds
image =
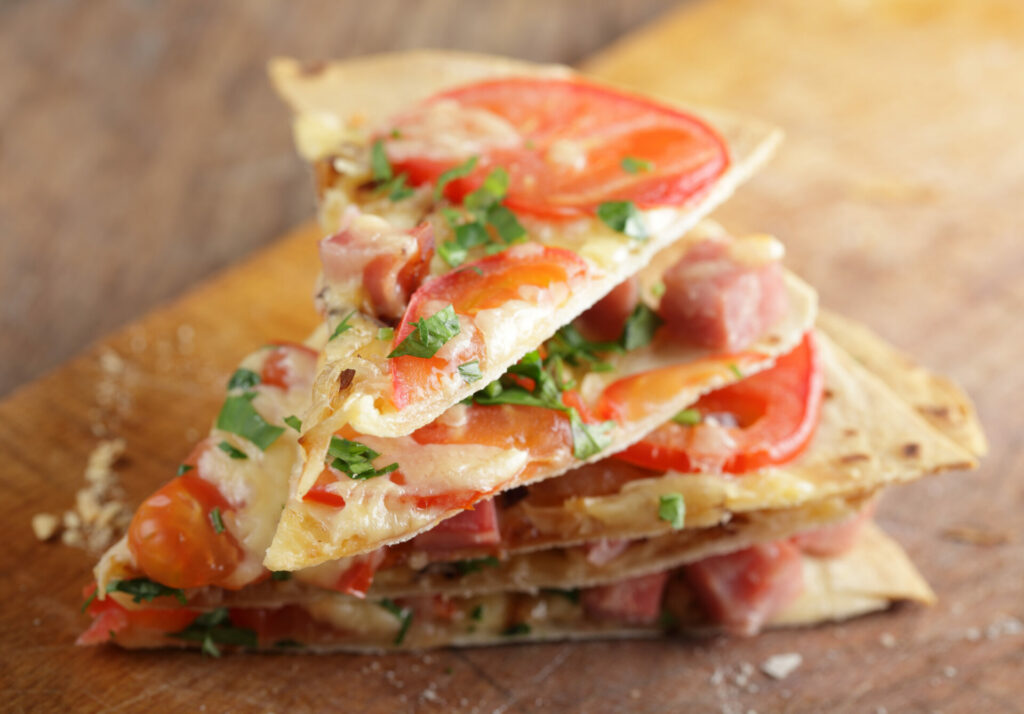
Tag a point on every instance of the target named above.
point(529, 273)
point(775, 411)
point(110, 618)
point(174, 541)
point(562, 142)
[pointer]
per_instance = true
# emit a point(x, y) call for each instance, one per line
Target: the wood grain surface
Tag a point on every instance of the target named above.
point(898, 195)
point(141, 147)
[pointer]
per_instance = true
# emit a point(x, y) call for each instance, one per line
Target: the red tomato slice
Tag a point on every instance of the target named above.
point(637, 396)
point(544, 433)
point(570, 138)
point(110, 618)
point(282, 365)
point(173, 540)
point(776, 411)
point(488, 283)
point(358, 578)
point(319, 493)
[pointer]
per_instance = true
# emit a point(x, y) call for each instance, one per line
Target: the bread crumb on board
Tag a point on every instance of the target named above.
point(99, 515)
point(781, 666)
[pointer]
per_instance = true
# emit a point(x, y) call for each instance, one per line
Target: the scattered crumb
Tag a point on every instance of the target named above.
point(888, 640)
point(973, 634)
point(950, 672)
point(430, 695)
point(45, 525)
point(781, 666)
point(99, 514)
point(1005, 625)
point(634, 693)
point(717, 677)
point(976, 536)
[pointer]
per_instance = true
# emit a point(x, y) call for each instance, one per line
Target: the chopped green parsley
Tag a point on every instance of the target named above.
point(231, 451)
point(238, 416)
point(294, 422)
point(355, 459)
point(688, 417)
point(672, 509)
point(185, 468)
point(215, 628)
point(385, 333)
point(342, 327)
point(474, 565)
point(429, 334)
point(243, 379)
point(633, 165)
point(623, 217)
point(145, 590)
point(216, 520)
point(456, 172)
point(470, 371)
point(520, 628)
point(404, 615)
point(640, 327)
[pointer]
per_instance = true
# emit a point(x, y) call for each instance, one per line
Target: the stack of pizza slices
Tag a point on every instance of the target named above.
point(548, 398)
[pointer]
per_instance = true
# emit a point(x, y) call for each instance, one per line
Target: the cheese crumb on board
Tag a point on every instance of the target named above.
point(99, 514)
point(781, 666)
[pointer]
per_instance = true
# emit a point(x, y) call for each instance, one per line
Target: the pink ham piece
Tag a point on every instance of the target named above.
point(601, 552)
point(477, 526)
point(833, 540)
point(635, 602)
point(745, 589)
point(389, 263)
point(605, 321)
point(713, 300)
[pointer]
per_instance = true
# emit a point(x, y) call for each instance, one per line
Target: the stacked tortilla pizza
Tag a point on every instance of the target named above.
point(548, 398)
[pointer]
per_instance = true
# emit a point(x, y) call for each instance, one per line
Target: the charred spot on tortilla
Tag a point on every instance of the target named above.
point(312, 68)
point(911, 450)
point(345, 379)
point(850, 432)
point(828, 393)
point(939, 412)
point(854, 458)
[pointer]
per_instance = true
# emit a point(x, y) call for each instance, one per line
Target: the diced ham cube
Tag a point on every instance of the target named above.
point(387, 263)
point(601, 552)
point(745, 589)
point(715, 300)
point(473, 527)
point(635, 602)
point(836, 539)
point(605, 321)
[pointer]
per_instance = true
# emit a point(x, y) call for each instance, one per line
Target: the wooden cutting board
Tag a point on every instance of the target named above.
point(898, 194)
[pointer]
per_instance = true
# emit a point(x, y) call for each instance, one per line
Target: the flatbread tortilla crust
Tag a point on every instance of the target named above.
point(870, 577)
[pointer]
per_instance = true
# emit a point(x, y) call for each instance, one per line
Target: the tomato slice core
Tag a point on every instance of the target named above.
point(563, 143)
point(776, 412)
point(483, 285)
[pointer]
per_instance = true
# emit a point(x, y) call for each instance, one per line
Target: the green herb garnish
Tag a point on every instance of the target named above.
point(640, 327)
point(623, 217)
point(658, 289)
point(216, 520)
point(214, 628)
point(429, 334)
point(688, 417)
point(355, 459)
point(588, 439)
point(238, 416)
point(403, 614)
point(572, 595)
point(342, 327)
point(384, 176)
point(509, 229)
point(735, 369)
point(294, 422)
point(477, 614)
point(520, 628)
point(243, 379)
point(633, 165)
point(672, 509)
point(470, 371)
point(385, 333)
point(474, 565)
point(456, 172)
point(280, 575)
point(185, 468)
point(231, 451)
point(145, 590)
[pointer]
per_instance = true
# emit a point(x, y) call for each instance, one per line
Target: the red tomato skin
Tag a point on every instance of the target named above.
point(778, 434)
point(485, 284)
point(276, 371)
point(110, 618)
point(319, 493)
point(687, 155)
point(173, 540)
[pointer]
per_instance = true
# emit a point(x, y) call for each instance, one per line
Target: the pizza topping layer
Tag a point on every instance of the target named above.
point(714, 299)
point(563, 143)
point(636, 601)
point(765, 419)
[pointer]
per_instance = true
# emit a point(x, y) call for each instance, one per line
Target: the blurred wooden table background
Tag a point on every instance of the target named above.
point(141, 147)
